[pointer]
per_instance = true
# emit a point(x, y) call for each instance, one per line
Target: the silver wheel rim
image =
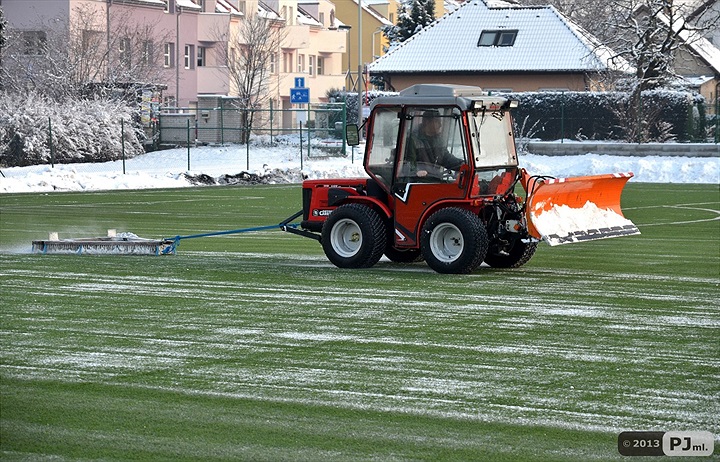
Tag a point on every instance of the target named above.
point(446, 242)
point(346, 238)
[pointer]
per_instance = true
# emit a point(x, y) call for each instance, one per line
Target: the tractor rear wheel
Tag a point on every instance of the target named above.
point(353, 236)
point(454, 240)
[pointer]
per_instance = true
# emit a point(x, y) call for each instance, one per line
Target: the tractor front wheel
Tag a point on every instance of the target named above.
point(353, 236)
point(519, 254)
point(454, 240)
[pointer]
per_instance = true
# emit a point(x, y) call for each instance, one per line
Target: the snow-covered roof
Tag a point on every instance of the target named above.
point(694, 81)
point(546, 41)
point(187, 4)
point(367, 7)
point(266, 12)
point(223, 6)
point(695, 41)
point(304, 18)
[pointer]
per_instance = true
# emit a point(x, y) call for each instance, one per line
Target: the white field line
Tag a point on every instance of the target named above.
point(682, 206)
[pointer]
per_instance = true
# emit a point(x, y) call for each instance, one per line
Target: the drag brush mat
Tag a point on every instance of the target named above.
point(122, 244)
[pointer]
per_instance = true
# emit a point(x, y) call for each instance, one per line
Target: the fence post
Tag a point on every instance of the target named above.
point(562, 118)
point(50, 141)
point(717, 114)
point(301, 148)
point(122, 142)
point(344, 123)
point(247, 141)
point(188, 143)
point(308, 129)
point(222, 123)
point(271, 121)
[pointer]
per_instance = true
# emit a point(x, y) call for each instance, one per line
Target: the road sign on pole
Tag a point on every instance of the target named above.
point(300, 95)
point(299, 82)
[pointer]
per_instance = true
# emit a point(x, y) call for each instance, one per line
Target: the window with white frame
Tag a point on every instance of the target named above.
point(147, 53)
point(311, 65)
point(189, 55)
point(201, 56)
point(91, 41)
point(301, 63)
point(169, 55)
point(320, 65)
point(124, 51)
point(287, 62)
point(273, 63)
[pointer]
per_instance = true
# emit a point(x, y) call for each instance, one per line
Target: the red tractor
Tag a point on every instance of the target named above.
point(442, 179)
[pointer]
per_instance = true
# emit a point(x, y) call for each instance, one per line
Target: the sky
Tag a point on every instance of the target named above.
point(281, 164)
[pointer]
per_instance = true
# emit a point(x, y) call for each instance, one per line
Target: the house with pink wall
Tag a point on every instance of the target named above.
point(181, 44)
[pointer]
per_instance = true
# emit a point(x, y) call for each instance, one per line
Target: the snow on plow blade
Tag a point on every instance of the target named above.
point(578, 209)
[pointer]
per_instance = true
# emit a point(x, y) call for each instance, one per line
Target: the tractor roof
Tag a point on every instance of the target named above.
point(464, 96)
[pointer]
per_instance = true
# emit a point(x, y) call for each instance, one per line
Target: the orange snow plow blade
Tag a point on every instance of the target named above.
point(578, 209)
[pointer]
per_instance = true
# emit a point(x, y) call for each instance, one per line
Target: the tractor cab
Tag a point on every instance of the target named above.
point(432, 134)
point(434, 145)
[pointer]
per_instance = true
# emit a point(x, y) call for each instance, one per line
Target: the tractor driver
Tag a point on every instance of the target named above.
point(426, 152)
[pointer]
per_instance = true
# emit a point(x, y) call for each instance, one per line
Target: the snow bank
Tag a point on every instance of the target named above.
point(167, 169)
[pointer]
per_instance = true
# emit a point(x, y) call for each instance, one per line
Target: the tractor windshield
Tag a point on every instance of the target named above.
point(492, 138)
point(382, 143)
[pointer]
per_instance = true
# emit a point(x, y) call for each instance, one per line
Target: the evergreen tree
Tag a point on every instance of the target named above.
point(412, 16)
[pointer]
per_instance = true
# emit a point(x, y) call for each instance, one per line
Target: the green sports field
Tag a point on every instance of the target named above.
point(254, 347)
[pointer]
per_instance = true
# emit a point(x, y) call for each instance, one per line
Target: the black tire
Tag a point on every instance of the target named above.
point(520, 253)
point(353, 236)
point(402, 255)
point(454, 241)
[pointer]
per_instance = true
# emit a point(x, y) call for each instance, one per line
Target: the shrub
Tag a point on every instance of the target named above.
point(77, 131)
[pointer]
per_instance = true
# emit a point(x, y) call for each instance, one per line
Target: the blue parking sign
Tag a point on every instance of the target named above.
point(300, 95)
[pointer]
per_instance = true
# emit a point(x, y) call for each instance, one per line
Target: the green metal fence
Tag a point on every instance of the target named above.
point(318, 128)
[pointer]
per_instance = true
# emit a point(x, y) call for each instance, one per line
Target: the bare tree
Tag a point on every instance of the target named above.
point(589, 14)
point(68, 59)
point(650, 34)
point(3, 39)
point(249, 47)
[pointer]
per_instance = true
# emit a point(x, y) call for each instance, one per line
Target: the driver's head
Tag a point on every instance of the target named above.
point(431, 122)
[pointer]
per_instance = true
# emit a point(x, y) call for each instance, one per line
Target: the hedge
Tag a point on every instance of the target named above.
point(664, 115)
point(82, 131)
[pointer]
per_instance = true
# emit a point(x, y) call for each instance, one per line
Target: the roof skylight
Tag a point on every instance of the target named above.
point(497, 38)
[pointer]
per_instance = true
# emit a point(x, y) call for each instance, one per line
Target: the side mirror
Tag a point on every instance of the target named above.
point(352, 134)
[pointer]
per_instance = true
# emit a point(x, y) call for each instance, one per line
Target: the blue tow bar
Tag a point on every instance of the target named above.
point(284, 226)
